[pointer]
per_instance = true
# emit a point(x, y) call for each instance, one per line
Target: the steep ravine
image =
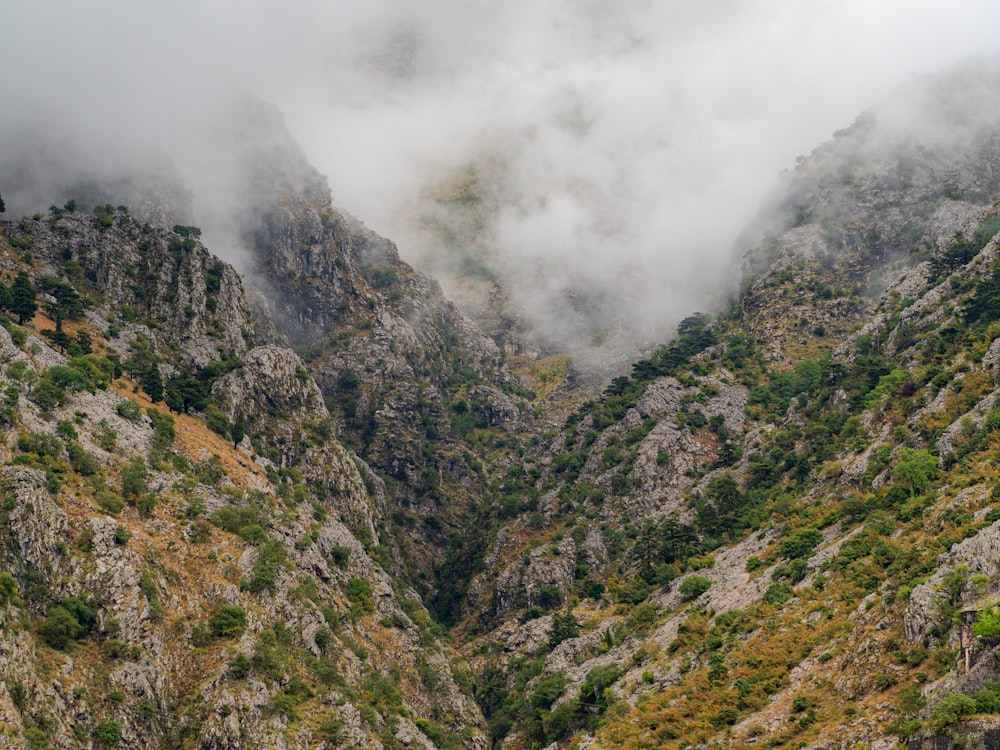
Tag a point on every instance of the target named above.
point(313, 505)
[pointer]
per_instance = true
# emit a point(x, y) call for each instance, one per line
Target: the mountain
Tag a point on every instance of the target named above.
point(299, 499)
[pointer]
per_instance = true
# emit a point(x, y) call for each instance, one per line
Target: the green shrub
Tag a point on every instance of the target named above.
point(323, 637)
point(987, 623)
point(67, 429)
point(216, 420)
point(594, 690)
point(592, 589)
point(163, 427)
point(885, 681)
point(359, 591)
point(68, 378)
point(96, 372)
point(284, 704)
point(85, 540)
point(917, 468)
point(115, 649)
point(133, 478)
point(82, 461)
point(634, 593)
point(229, 621)
point(48, 395)
point(778, 593)
point(265, 570)
point(801, 544)
point(110, 502)
point(252, 533)
point(8, 588)
point(564, 627)
point(911, 700)
point(36, 739)
point(129, 410)
point(40, 443)
point(442, 738)
point(951, 709)
point(67, 621)
point(147, 583)
point(694, 586)
point(146, 504)
point(547, 690)
point(18, 335)
point(239, 666)
point(233, 518)
point(107, 732)
point(987, 701)
point(549, 597)
point(724, 717)
point(561, 719)
point(340, 554)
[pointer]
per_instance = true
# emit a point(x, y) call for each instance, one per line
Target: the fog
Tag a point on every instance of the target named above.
point(617, 148)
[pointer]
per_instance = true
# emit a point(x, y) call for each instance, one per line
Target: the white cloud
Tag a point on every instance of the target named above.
point(637, 137)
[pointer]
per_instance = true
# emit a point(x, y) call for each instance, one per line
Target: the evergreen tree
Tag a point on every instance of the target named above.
point(564, 627)
point(22, 294)
point(2, 206)
point(152, 383)
point(174, 399)
point(84, 342)
point(59, 338)
point(237, 430)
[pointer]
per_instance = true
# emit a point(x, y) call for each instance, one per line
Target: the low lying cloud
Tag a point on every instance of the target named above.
point(617, 148)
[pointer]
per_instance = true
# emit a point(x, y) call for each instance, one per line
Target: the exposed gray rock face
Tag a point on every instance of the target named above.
point(148, 272)
point(315, 544)
point(398, 364)
point(978, 554)
point(273, 382)
point(496, 407)
point(157, 572)
point(668, 454)
point(521, 585)
point(979, 734)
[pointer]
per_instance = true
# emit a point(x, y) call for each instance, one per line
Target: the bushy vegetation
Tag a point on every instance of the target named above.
point(67, 621)
point(874, 434)
point(228, 621)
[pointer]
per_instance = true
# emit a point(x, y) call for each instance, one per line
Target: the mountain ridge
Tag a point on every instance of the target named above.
point(379, 537)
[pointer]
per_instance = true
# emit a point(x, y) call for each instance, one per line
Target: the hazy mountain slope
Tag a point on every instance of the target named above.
point(760, 537)
point(406, 375)
point(723, 547)
point(189, 592)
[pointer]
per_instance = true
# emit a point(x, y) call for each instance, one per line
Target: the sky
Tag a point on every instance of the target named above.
point(624, 144)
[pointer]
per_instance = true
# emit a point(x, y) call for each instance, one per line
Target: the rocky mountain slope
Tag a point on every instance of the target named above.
point(309, 504)
point(173, 581)
point(734, 544)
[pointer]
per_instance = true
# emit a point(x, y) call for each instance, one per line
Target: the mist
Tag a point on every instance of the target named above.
point(615, 150)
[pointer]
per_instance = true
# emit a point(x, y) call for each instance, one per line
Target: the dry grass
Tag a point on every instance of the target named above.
point(196, 441)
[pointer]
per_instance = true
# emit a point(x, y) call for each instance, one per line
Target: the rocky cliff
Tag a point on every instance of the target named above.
point(310, 504)
point(216, 581)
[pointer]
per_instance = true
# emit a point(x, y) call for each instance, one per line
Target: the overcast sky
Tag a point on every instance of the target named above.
point(635, 138)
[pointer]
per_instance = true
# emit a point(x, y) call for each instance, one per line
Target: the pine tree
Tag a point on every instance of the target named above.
point(237, 430)
point(152, 383)
point(84, 342)
point(59, 338)
point(22, 294)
